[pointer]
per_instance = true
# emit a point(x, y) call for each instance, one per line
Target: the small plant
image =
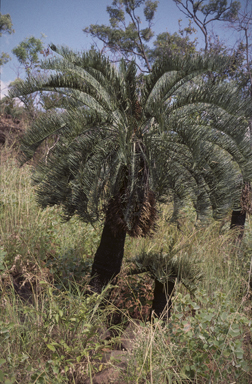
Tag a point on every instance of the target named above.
point(57, 340)
point(69, 269)
point(211, 340)
point(201, 343)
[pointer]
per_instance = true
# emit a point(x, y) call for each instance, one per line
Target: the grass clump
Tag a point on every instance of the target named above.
point(52, 341)
point(51, 331)
point(200, 344)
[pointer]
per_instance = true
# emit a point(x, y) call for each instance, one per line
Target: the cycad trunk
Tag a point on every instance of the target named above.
point(162, 298)
point(107, 264)
point(238, 221)
point(108, 258)
point(239, 217)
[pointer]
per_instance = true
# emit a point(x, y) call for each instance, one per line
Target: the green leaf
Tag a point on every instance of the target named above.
point(51, 347)
point(60, 312)
point(1, 375)
point(239, 354)
point(2, 361)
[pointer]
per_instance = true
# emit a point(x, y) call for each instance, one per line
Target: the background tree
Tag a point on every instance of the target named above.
point(122, 149)
point(235, 16)
point(27, 52)
point(243, 25)
point(5, 27)
point(203, 14)
point(167, 44)
point(125, 35)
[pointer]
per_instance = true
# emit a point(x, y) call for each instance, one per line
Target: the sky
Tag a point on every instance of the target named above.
point(62, 22)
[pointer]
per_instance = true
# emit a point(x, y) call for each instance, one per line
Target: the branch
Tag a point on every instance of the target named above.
point(193, 15)
point(141, 48)
point(50, 148)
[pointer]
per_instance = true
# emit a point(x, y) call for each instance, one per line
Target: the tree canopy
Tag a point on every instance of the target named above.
point(27, 52)
point(5, 27)
point(125, 34)
point(203, 13)
point(173, 135)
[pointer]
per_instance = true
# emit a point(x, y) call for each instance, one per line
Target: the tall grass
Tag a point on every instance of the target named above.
point(51, 331)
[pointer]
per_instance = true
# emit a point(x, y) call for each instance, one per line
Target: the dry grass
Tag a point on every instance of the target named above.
point(52, 334)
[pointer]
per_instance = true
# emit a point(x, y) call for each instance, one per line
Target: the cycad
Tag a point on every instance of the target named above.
point(175, 262)
point(166, 269)
point(125, 144)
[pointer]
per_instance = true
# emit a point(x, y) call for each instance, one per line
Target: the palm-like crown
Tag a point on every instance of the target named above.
point(124, 143)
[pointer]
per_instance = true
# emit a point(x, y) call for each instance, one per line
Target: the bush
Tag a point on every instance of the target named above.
point(201, 343)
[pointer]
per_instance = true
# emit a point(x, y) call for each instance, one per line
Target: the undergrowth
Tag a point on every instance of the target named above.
point(52, 331)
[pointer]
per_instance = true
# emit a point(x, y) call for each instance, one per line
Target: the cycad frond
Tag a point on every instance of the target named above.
point(170, 267)
point(121, 143)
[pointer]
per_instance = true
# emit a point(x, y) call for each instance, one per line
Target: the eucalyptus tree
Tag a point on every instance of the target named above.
point(131, 30)
point(203, 14)
point(27, 53)
point(128, 34)
point(122, 146)
point(5, 27)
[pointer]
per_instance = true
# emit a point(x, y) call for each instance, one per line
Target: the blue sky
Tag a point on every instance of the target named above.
point(62, 22)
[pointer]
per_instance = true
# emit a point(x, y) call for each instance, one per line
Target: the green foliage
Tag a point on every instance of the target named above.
point(125, 36)
point(204, 13)
point(6, 24)
point(70, 269)
point(173, 136)
point(5, 27)
point(10, 107)
point(32, 237)
point(131, 40)
point(167, 44)
point(27, 102)
point(58, 337)
point(174, 260)
point(170, 267)
point(220, 10)
point(52, 342)
point(209, 335)
point(201, 343)
point(215, 9)
point(2, 257)
point(4, 58)
point(27, 51)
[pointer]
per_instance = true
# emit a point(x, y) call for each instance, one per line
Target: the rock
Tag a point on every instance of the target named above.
point(129, 335)
point(104, 333)
point(118, 358)
point(108, 376)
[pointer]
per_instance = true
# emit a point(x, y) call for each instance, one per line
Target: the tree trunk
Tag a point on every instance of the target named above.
point(108, 258)
point(162, 298)
point(238, 221)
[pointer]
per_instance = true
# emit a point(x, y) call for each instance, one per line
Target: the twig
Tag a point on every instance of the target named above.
point(49, 149)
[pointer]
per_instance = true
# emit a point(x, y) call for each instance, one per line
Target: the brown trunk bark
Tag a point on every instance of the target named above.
point(238, 221)
point(108, 258)
point(162, 298)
